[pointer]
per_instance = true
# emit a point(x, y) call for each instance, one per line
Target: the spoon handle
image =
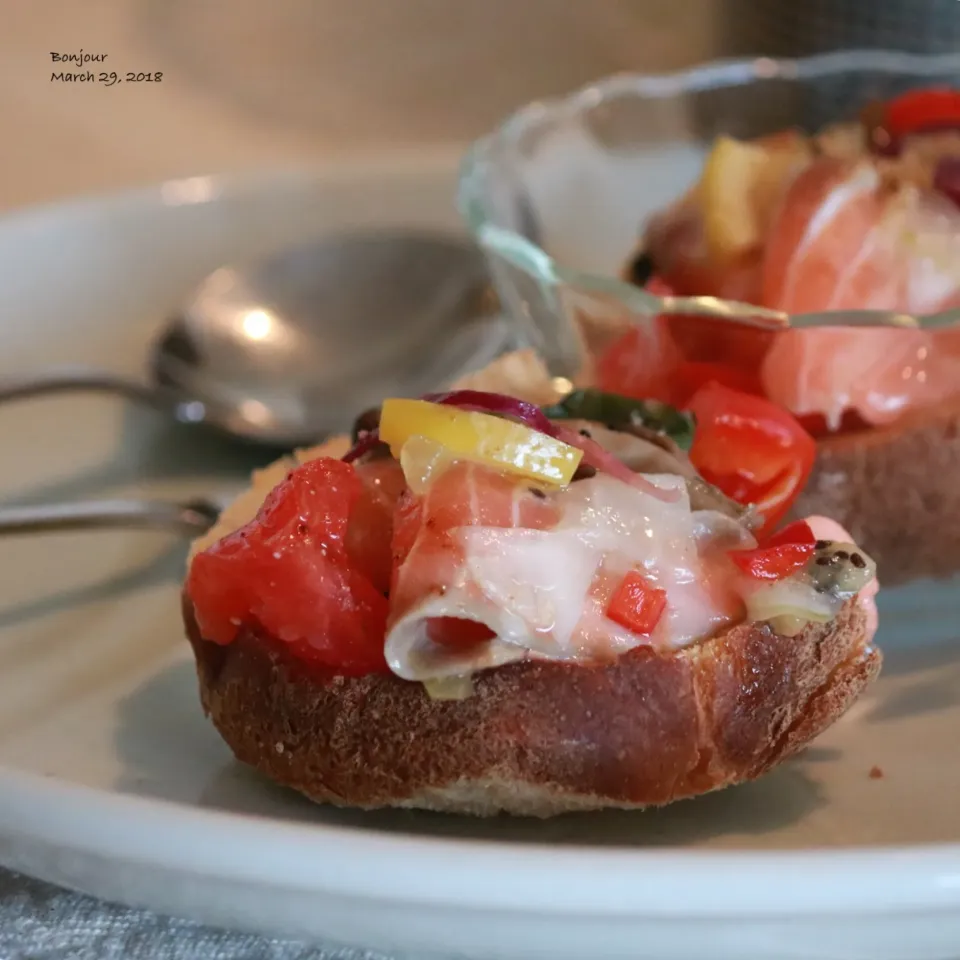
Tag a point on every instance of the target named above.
point(191, 517)
point(79, 381)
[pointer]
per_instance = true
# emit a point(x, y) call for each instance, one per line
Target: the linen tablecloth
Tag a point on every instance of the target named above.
point(41, 922)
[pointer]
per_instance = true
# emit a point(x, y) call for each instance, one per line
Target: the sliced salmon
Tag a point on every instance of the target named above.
point(878, 374)
point(537, 568)
point(846, 235)
point(425, 546)
point(844, 240)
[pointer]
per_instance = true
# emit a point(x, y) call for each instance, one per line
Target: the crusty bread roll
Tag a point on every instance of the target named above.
point(896, 490)
point(534, 738)
point(538, 738)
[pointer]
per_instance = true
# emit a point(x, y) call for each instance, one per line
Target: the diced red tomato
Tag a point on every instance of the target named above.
point(707, 340)
point(680, 354)
point(636, 604)
point(289, 572)
point(780, 555)
point(370, 529)
point(638, 364)
point(751, 449)
point(922, 110)
point(632, 368)
point(689, 377)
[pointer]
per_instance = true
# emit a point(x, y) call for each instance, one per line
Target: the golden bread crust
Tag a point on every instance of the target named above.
point(537, 738)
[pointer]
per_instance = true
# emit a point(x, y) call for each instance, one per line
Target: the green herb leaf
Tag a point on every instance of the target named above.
point(619, 412)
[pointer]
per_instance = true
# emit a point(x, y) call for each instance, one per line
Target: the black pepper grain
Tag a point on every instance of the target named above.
point(824, 561)
point(584, 472)
point(822, 544)
point(857, 560)
point(585, 433)
point(539, 494)
point(842, 555)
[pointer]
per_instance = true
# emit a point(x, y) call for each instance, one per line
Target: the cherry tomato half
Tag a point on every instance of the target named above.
point(751, 449)
point(677, 355)
point(922, 110)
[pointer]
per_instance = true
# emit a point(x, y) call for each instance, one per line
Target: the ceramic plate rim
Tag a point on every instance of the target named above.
point(419, 163)
point(338, 859)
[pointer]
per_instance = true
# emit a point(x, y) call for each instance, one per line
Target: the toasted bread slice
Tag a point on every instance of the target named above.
point(537, 738)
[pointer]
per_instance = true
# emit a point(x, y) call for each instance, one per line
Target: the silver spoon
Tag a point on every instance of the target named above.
point(286, 350)
point(189, 517)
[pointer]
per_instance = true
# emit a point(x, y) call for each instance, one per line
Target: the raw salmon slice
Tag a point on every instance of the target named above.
point(538, 568)
point(821, 253)
point(843, 238)
point(878, 374)
point(845, 241)
point(425, 547)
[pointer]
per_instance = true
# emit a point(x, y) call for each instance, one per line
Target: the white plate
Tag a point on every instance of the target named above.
point(112, 782)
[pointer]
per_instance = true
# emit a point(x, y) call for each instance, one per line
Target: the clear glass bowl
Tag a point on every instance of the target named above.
point(558, 195)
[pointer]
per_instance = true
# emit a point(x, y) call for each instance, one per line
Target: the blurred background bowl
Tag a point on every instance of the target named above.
point(558, 195)
point(788, 28)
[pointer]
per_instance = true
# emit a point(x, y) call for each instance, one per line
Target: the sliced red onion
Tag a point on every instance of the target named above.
point(364, 444)
point(883, 143)
point(946, 177)
point(532, 416)
point(595, 455)
point(483, 402)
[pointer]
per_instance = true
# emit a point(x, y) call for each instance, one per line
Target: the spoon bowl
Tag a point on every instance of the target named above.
point(285, 351)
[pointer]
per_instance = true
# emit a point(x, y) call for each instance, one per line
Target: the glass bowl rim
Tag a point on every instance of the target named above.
point(530, 258)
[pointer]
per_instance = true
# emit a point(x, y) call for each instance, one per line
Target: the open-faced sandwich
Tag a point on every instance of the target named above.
point(485, 605)
point(863, 215)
